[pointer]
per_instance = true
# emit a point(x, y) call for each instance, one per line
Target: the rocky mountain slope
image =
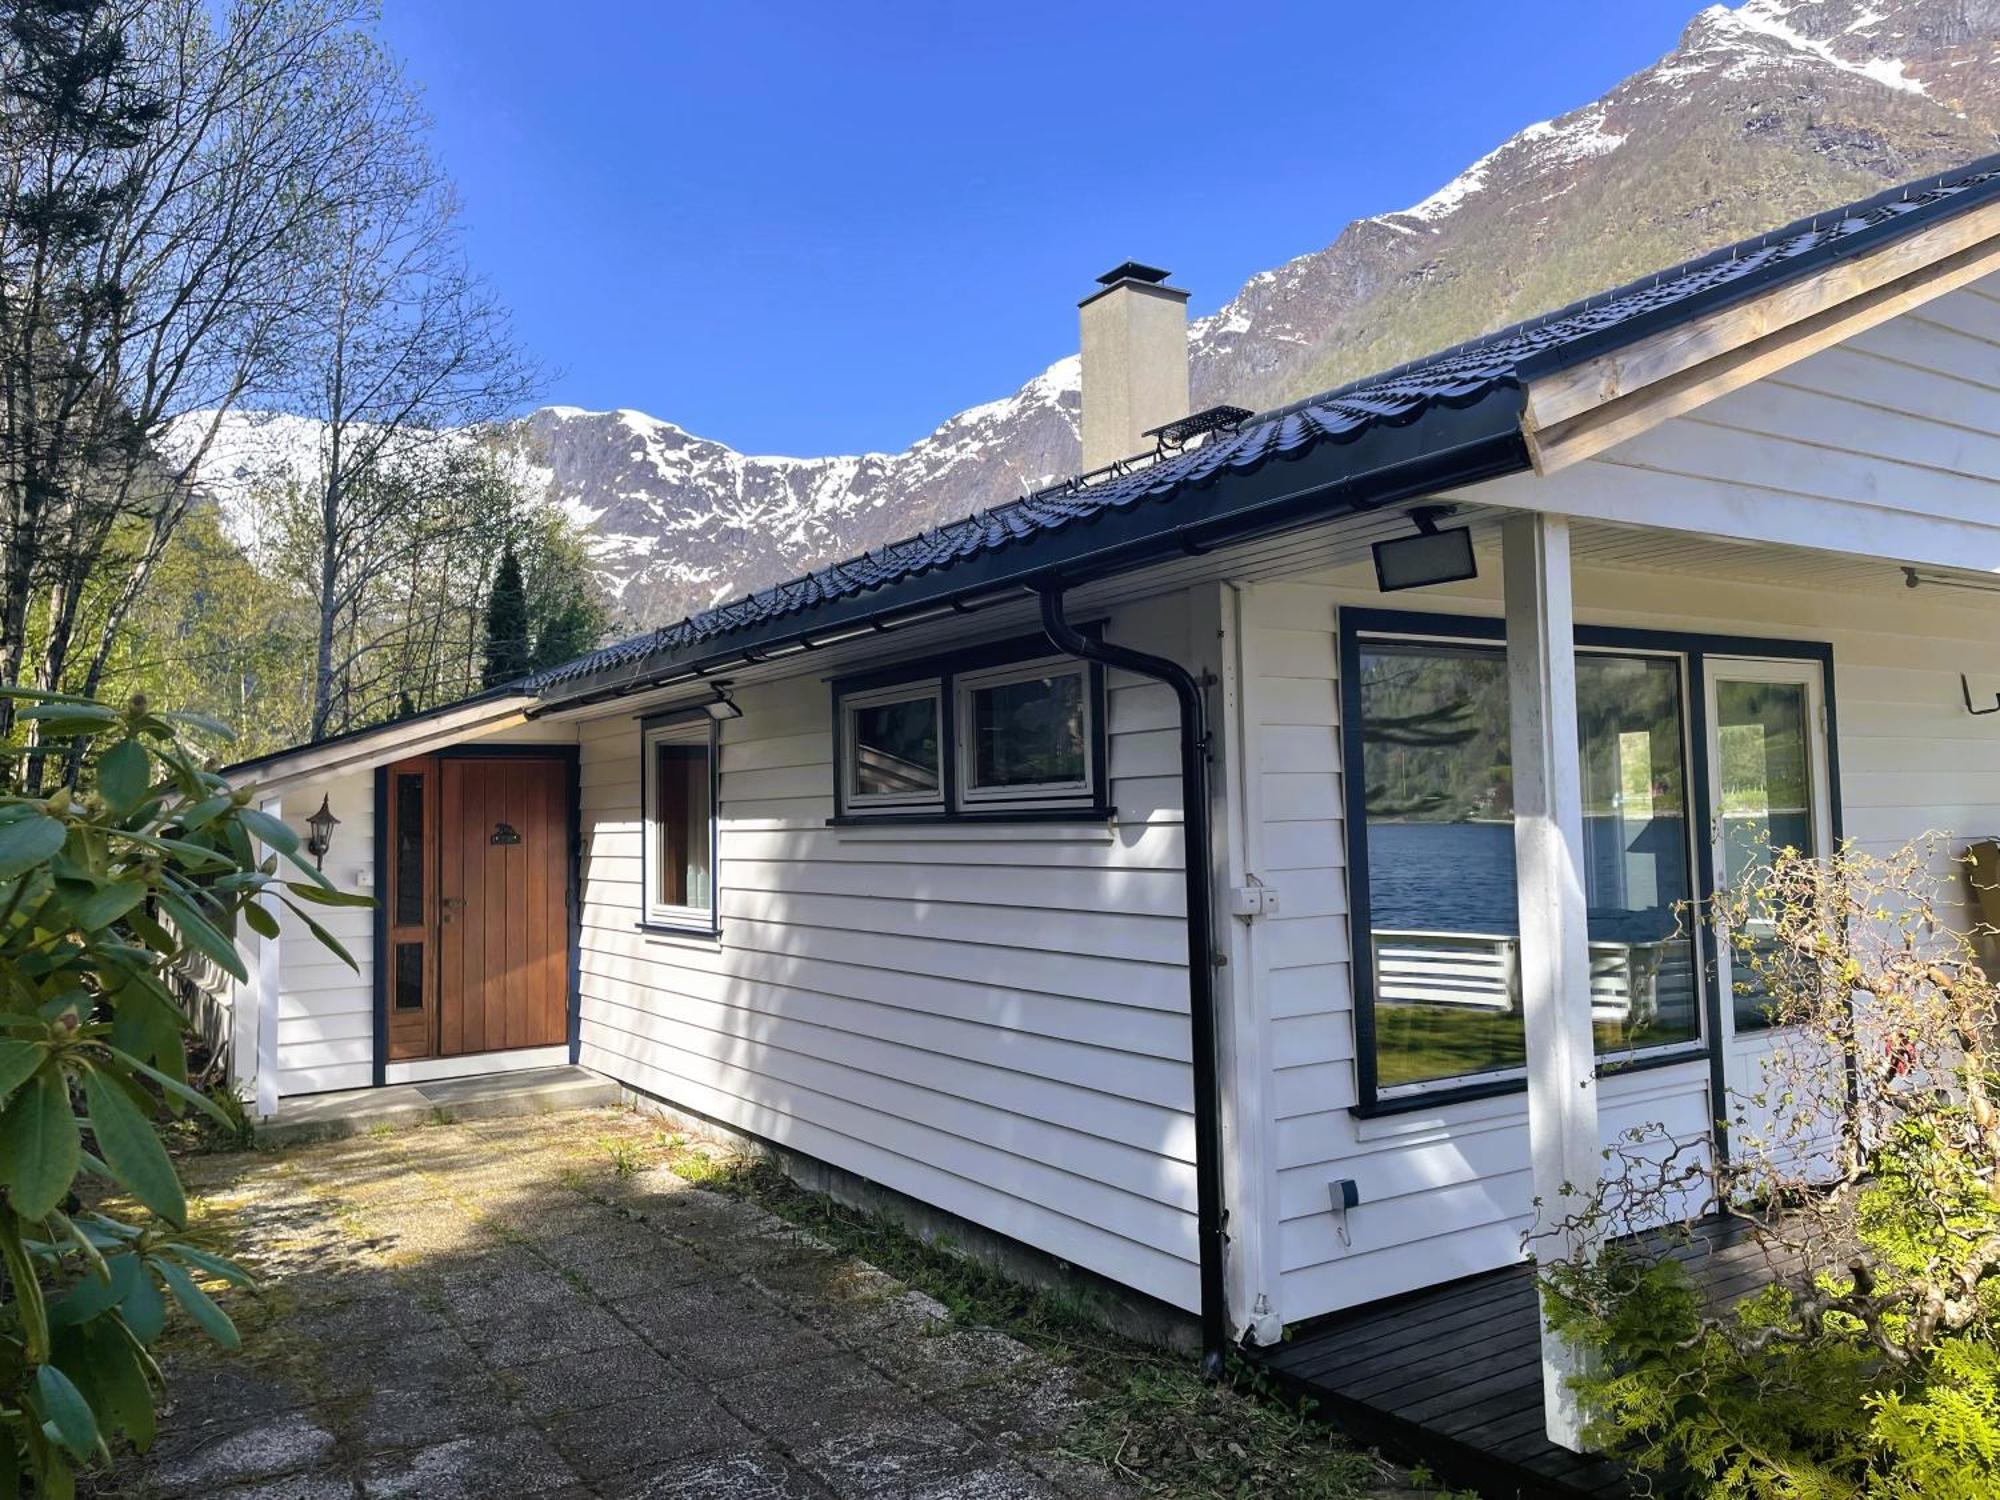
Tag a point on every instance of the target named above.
point(1760, 114)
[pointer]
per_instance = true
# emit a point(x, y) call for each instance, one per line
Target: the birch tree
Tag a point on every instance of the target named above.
point(169, 170)
point(408, 355)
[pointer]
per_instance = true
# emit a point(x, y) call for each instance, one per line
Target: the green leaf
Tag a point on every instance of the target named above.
point(198, 1304)
point(204, 812)
point(65, 723)
point(59, 1403)
point(215, 1265)
point(30, 1303)
point(131, 1148)
point(144, 1311)
point(323, 895)
point(107, 904)
point(123, 774)
point(274, 832)
point(203, 936)
point(81, 709)
point(125, 1398)
point(94, 1296)
point(39, 1146)
point(28, 842)
point(18, 1062)
point(260, 920)
point(197, 721)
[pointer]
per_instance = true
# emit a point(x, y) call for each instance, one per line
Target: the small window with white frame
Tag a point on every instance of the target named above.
point(1025, 733)
point(894, 747)
point(680, 823)
point(996, 733)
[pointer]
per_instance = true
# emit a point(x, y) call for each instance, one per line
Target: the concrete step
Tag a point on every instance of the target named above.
point(538, 1091)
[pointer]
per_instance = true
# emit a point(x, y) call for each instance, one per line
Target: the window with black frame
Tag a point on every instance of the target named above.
point(997, 732)
point(1439, 847)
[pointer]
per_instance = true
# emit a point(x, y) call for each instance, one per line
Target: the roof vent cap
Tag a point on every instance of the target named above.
point(1131, 270)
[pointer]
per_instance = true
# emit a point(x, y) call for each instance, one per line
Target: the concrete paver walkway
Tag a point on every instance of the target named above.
point(521, 1307)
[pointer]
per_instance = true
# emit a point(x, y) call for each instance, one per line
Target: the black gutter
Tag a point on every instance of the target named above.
point(1197, 860)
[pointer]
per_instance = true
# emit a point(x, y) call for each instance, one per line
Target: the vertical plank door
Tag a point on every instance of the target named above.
point(504, 922)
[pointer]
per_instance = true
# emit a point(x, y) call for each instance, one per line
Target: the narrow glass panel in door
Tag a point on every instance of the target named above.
point(1767, 757)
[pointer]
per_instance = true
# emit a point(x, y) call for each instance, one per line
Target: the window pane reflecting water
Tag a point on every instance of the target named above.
point(1439, 795)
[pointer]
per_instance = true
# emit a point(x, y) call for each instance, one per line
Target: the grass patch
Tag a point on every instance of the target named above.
point(1150, 1418)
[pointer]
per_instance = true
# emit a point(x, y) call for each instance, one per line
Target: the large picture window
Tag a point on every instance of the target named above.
point(1006, 731)
point(1438, 798)
point(679, 850)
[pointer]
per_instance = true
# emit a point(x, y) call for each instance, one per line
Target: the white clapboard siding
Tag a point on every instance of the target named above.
point(325, 1015)
point(1447, 1193)
point(992, 1019)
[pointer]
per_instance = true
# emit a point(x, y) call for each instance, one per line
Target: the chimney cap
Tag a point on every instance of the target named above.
point(1132, 270)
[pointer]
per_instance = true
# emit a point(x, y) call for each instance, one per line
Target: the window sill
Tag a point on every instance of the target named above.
point(1089, 813)
point(1406, 1104)
point(707, 939)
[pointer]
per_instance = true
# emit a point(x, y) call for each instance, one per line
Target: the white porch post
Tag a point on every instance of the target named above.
point(1563, 1138)
point(267, 976)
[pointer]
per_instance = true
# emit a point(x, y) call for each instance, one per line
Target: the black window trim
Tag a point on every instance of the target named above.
point(951, 808)
point(1359, 623)
point(647, 725)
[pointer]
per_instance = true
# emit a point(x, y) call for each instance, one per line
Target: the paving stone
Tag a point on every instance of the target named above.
point(678, 1314)
point(429, 1361)
point(1033, 1402)
point(766, 1339)
point(371, 1319)
point(1000, 1481)
point(210, 1458)
point(658, 1269)
point(803, 1401)
point(490, 1293)
point(897, 1456)
point(946, 1358)
point(606, 1376)
point(740, 1474)
point(205, 1388)
point(646, 1432)
point(319, 1485)
point(514, 1461)
point(415, 1417)
point(540, 1333)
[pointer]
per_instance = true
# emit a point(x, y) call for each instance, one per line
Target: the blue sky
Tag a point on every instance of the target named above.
point(809, 228)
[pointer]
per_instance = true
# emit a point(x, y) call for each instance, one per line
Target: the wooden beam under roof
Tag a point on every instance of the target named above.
point(1579, 412)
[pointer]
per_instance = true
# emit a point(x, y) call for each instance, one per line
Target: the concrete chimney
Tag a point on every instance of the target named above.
point(1135, 361)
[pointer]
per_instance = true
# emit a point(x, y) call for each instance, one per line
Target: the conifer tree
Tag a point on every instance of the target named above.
point(507, 653)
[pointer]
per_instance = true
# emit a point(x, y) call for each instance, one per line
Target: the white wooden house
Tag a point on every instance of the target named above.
point(876, 866)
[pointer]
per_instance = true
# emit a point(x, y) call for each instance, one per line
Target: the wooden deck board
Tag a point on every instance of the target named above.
point(1452, 1374)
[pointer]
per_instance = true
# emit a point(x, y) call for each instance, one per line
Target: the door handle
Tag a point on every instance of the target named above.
point(449, 904)
point(453, 901)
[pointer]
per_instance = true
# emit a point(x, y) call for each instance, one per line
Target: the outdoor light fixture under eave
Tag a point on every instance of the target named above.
point(721, 706)
point(319, 837)
point(1431, 556)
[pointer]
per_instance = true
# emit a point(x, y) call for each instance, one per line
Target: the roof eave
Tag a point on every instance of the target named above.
point(1445, 446)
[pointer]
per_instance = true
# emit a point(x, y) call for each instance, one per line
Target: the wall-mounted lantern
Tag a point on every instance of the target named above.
point(319, 838)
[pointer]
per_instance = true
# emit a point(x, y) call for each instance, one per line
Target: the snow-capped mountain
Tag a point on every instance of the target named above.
point(1762, 112)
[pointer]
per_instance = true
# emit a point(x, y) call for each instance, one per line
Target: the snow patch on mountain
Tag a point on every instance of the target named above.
point(681, 521)
point(1749, 29)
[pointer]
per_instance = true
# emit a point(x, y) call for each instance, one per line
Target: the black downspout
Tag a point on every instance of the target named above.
point(1210, 1231)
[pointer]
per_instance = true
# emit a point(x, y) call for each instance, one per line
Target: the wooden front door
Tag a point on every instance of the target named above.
point(477, 905)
